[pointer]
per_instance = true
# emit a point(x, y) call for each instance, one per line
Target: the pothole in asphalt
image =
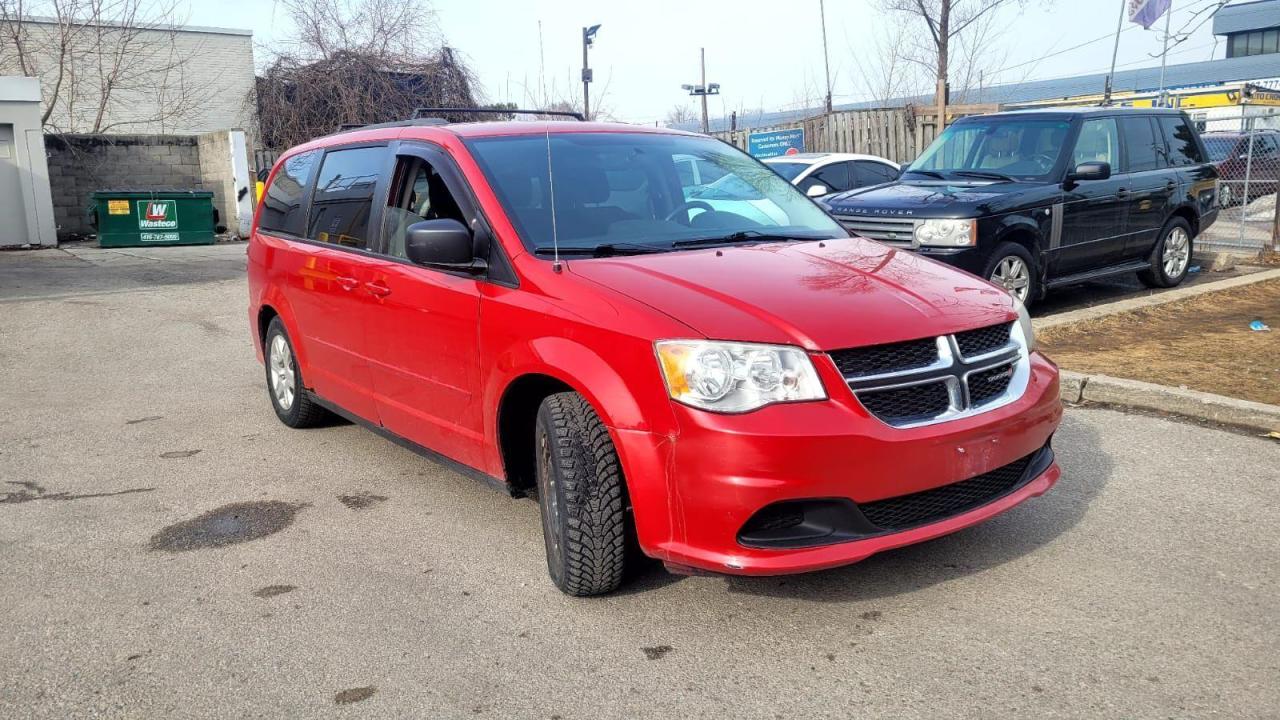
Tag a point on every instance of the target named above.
point(227, 525)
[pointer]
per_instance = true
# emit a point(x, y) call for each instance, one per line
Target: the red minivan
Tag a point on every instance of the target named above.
point(725, 379)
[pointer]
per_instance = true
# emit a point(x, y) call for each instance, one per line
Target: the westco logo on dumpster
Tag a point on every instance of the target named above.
point(157, 215)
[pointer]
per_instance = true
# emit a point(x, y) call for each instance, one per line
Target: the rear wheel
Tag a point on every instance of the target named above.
point(1012, 268)
point(1171, 257)
point(582, 494)
point(289, 397)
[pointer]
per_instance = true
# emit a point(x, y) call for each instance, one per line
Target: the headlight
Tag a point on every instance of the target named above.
point(1024, 324)
point(947, 233)
point(736, 377)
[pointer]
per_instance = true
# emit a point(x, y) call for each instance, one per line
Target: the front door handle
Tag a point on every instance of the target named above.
point(1122, 193)
point(1170, 186)
point(347, 283)
point(377, 289)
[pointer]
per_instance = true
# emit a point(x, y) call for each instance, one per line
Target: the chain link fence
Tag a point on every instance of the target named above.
point(1246, 150)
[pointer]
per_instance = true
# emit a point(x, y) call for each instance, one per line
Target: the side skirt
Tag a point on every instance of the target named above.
point(493, 482)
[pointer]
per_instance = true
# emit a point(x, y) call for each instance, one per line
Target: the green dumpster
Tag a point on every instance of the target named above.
point(126, 218)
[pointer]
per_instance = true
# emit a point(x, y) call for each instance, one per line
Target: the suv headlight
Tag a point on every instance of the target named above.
point(736, 377)
point(1024, 324)
point(947, 233)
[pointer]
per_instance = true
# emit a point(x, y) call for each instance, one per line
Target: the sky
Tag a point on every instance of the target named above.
point(765, 55)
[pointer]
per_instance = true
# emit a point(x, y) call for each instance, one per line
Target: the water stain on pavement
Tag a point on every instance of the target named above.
point(656, 652)
point(33, 491)
point(273, 590)
point(361, 500)
point(178, 454)
point(354, 695)
point(227, 525)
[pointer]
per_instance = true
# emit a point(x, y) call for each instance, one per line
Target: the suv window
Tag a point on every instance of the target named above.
point(1140, 144)
point(1015, 145)
point(866, 172)
point(344, 196)
point(834, 176)
point(282, 204)
point(420, 194)
point(1183, 148)
point(1099, 141)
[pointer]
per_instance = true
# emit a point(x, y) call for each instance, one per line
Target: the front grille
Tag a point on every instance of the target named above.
point(893, 357)
point(973, 343)
point(987, 384)
point(930, 506)
point(898, 406)
point(886, 230)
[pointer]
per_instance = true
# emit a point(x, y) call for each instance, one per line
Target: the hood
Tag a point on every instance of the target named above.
point(821, 296)
point(937, 198)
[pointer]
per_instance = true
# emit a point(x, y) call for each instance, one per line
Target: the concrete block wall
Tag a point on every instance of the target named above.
point(80, 165)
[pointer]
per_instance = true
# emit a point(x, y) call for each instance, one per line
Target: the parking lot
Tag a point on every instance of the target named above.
point(353, 578)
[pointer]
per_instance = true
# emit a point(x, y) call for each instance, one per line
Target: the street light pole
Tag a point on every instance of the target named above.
point(706, 126)
point(588, 34)
point(826, 58)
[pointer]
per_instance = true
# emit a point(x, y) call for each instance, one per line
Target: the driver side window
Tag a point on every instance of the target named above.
point(1099, 141)
point(418, 193)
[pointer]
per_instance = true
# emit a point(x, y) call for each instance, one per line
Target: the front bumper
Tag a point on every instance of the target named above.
point(694, 491)
point(970, 259)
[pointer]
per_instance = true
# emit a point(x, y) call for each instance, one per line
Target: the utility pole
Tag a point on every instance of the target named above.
point(1164, 55)
point(1115, 50)
point(588, 35)
point(703, 90)
point(826, 58)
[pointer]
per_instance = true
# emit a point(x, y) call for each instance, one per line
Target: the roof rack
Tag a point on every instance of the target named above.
point(421, 113)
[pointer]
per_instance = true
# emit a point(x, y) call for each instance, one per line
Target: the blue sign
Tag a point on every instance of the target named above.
point(773, 143)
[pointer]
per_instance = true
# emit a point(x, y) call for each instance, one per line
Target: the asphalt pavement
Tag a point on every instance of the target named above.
point(169, 549)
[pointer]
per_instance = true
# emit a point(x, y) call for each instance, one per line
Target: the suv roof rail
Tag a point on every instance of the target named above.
point(351, 127)
point(421, 113)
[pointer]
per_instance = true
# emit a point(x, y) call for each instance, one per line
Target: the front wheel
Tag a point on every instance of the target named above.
point(1171, 257)
point(1012, 268)
point(582, 496)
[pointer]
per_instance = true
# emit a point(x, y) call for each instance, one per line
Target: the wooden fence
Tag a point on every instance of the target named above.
point(898, 134)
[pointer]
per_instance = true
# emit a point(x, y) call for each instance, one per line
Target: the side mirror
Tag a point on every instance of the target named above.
point(1090, 171)
point(443, 243)
point(817, 191)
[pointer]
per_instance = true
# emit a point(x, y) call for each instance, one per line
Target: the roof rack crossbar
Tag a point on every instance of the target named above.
point(422, 112)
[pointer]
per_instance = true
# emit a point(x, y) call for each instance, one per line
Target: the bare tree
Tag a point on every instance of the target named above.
point(681, 115)
point(104, 65)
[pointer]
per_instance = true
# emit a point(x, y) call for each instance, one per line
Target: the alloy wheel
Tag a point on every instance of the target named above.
point(549, 502)
point(1177, 252)
point(284, 381)
point(1013, 275)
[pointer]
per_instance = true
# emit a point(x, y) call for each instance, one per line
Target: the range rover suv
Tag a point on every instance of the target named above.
point(1033, 200)
point(538, 305)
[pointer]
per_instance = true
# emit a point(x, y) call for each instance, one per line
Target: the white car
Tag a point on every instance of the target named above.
point(819, 174)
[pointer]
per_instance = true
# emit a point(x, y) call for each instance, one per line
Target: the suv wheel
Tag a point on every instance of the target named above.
point(1012, 268)
point(582, 496)
point(1171, 257)
point(293, 404)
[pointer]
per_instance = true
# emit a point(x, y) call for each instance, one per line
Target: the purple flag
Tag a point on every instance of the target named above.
point(1146, 12)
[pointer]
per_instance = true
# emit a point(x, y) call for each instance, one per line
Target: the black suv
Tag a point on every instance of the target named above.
point(1038, 199)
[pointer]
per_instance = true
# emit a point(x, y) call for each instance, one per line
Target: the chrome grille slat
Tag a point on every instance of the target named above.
point(893, 231)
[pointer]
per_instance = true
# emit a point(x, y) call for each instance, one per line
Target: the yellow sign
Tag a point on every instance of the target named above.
point(117, 207)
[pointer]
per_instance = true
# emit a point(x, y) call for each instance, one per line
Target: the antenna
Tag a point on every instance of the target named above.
point(551, 191)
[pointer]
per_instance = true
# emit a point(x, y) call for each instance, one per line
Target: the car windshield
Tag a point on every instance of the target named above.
point(1012, 147)
point(636, 191)
point(788, 170)
point(1219, 147)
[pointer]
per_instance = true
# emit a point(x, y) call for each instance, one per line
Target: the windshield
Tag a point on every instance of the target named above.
point(1019, 148)
point(634, 190)
point(1219, 147)
point(788, 170)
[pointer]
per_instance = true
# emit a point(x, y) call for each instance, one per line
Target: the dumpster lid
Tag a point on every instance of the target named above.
point(152, 194)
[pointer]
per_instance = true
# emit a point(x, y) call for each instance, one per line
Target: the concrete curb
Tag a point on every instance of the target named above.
point(1260, 417)
point(1161, 298)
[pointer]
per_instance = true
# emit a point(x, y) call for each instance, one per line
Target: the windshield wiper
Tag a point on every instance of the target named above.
point(605, 250)
point(740, 236)
point(930, 173)
point(984, 174)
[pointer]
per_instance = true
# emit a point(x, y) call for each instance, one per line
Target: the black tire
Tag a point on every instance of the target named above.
point(302, 411)
point(997, 262)
point(1159, 276)
point(582, 496)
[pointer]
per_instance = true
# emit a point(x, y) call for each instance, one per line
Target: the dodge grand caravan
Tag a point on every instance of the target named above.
point(1033, 200)
point(538, 305)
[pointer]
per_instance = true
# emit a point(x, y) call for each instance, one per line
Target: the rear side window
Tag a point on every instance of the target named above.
point(1183, 148)
point(282, 204)
point(1140, 143)
point(343, 199)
